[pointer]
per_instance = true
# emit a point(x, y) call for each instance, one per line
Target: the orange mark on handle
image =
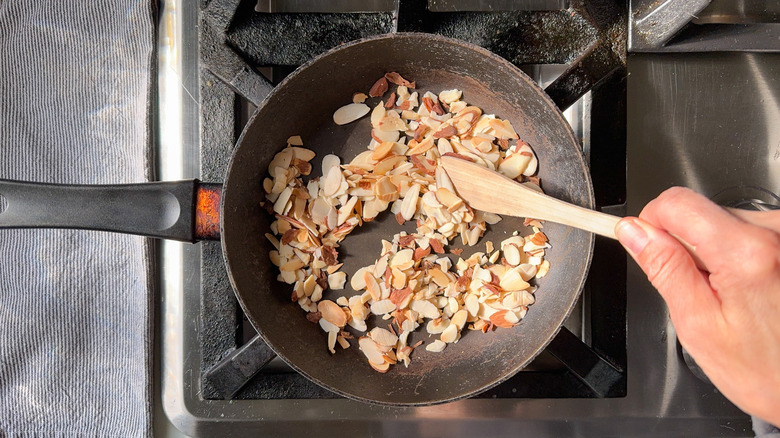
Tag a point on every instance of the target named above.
point(207, 201)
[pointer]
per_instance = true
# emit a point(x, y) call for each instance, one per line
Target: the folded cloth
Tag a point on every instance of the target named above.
point(75, 306)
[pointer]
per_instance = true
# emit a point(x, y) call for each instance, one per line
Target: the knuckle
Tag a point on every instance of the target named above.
point(760, 252)
point(670, 200)
point(675, 196)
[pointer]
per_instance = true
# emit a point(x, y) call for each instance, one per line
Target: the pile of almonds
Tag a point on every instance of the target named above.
point(412, 282)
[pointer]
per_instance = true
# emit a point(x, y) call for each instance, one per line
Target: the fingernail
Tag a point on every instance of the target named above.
point(631, 235)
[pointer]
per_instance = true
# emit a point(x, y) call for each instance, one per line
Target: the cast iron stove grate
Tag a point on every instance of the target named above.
point(243, 53)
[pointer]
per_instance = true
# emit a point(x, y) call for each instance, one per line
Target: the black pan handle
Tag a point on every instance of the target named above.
point(158, 209)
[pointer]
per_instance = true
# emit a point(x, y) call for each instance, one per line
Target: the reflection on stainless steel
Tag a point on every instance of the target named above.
point(291, 6)
point(653, 23)
point(693, 366)
point(709, 122)
point(703, 26)
point(739, 12)
point(496, 5)
point(748, 198)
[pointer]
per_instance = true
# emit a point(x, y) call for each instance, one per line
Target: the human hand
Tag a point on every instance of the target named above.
point(728, 318)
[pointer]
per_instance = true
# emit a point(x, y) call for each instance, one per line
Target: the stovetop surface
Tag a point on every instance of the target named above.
point(658, 394)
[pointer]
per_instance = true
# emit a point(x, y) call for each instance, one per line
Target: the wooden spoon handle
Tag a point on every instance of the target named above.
point(578, 217)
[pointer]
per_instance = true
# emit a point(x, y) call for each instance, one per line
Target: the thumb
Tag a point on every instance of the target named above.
point(670, 268)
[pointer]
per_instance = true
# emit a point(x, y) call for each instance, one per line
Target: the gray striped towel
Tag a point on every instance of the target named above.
point(75, 306)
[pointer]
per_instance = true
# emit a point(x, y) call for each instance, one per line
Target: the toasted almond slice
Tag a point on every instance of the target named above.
point(439, 277)
point(282, 201)
point(392, 122)
point(448, 198)
point(409, 205)
point(370, 348)
point(512, 255)
point(399, 278)
point(459, 319)
point(422, 147)
point(343, 342)
point(435, 346)
point(295, 140)
point(332, 313)
point(449, 96)
point(332, 342)
point(382, 150)
point(274, 241)
point(377, 115)
point(425, 308)
point(513, 281)
point(382, 307)
point(472, 304)
point(437, 325)
point(385, 190)
point(514, 165)
point(330, 269)
point(383, 368)
point(503, 129)
point(275, 257)
point(359, 98)
point(350, 112)
point(526, 298)
point(337, 280)
point(328, 327)
point(332, 181)
point(329, 161)
point(504, 318)
point(383, 337)
point(372, 287)
point(527, 271)
point(308, 285)
point(530, 170)
point(543, 269)
point(292, 265)
point(388, 163)
point(450, 334)
point(358, 281)
point(401, 297)
point(281, 160)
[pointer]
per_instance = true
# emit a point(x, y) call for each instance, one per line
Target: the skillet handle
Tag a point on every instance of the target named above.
point(158, 209)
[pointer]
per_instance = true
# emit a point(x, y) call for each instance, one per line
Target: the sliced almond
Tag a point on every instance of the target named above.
point(512, 255)
point(332, 313)
point(382, 307)
point(337, 280)
point(409, 205)
point(382, 150)
point(448, 198)
point(383, 337)
point(450, 334)
point(350, 112)
point(425, 309)
point(504, 318)
point(436, 346)
point(372, 287)
point(370, 348)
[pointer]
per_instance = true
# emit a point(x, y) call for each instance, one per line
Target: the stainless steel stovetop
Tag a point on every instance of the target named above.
point(701, 111)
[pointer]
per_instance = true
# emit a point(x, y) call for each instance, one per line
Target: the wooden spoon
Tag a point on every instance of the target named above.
point(493, 192)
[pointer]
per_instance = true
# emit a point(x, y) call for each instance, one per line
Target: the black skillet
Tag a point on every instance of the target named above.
point(303, 105)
